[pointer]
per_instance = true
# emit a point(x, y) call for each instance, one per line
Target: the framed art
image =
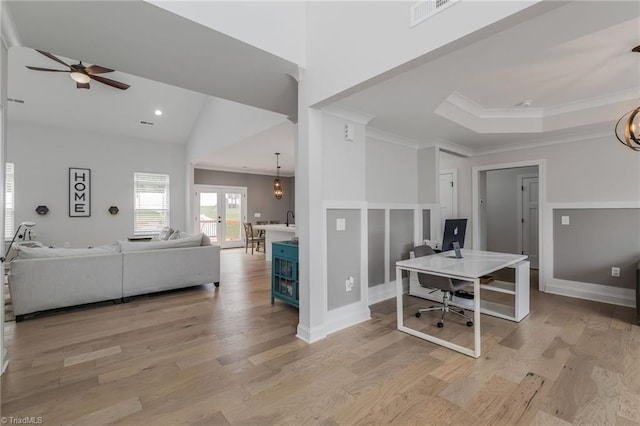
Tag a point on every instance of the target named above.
point(79, 192)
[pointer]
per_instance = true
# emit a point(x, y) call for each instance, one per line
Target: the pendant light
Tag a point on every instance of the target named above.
point(628, 127)
point(277, 186)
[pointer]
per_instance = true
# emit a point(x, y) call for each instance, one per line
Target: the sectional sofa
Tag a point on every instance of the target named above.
point(42, 278)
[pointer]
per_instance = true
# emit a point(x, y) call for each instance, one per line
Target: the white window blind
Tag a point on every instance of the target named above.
point(151, 202)
point(8, 202)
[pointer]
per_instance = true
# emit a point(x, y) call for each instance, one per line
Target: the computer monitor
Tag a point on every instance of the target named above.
point(454, 230)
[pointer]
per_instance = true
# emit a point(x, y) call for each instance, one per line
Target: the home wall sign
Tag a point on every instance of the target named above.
point(79, 192)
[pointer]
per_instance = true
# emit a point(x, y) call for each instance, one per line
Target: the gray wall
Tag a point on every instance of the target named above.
point(259, 192)
point(428, 175)
point(593, 242)
point(426, 224)
point(343, 257)
point(375, 224)
point(501, 205)
point(391, 172)
point(401, 238)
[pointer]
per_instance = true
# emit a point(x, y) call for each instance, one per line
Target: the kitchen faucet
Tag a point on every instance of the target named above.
point(292, 216)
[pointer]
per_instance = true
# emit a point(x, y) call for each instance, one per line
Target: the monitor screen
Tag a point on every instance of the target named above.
point(454, 230)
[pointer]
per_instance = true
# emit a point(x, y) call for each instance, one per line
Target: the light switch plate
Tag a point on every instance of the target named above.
point(565, 220)
point(341, 224)
point(257, 214)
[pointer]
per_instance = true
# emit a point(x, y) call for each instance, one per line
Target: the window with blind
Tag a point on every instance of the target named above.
point(8, 202)
point(151, 202)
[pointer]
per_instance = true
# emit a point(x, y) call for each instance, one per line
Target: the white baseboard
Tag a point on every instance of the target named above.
point(382, 292)
point(336, 320)
point(595, 292)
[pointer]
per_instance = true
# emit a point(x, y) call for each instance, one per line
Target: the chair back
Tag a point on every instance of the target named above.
point(432, 281)
point(248, 230)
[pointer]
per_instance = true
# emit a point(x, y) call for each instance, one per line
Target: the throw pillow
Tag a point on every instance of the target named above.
point(165, 233)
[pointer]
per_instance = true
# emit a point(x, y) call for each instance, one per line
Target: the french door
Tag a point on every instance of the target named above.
point(220, 212)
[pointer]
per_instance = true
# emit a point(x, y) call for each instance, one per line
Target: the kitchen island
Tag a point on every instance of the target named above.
point(276, 232)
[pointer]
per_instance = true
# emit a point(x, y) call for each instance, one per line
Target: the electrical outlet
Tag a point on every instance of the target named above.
point(615, 271)
point(349, 283)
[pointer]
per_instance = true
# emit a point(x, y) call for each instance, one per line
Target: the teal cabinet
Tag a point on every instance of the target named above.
point(284, 272)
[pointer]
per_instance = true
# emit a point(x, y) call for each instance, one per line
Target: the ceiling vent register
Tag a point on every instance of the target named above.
point(422, 10)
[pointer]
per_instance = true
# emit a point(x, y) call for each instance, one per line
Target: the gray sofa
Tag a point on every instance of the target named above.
point(45, 280)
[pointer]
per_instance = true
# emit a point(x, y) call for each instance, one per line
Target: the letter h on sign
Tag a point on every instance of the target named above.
point(79, 192)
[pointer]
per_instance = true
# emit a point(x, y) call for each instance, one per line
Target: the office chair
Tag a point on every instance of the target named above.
point(447, 285)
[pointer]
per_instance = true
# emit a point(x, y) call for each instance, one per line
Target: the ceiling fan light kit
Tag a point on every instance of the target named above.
point(628, 126)
point(80, 74)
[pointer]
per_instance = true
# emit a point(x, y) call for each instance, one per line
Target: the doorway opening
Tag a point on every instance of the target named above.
point(219, 213)
point(507, 208)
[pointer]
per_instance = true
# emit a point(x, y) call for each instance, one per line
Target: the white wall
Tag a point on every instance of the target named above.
point(222, 123)
point(428, 175)
point(343, 161)
point(339, 56)
point(391, 172)
point(276, 27)
point(42, 156)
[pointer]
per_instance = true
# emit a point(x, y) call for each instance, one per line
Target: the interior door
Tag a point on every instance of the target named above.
point(220, 212)
point(448, 197)
point(530, 219)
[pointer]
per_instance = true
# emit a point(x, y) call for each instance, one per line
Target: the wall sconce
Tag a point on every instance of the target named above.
point(42, 209)
point(114, 210)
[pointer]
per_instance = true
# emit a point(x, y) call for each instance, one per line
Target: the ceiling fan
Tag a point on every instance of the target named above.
point(82, 75)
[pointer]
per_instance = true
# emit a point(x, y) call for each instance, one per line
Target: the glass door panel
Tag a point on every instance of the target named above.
point(220, 213)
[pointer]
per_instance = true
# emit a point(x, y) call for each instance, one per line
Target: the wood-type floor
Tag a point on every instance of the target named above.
point(227, 356)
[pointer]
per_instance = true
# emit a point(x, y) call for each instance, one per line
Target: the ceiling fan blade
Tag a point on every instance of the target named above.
point(82, 85)
point(44, 69)
point(110, 82)
point(97, 69)
point(50, 56)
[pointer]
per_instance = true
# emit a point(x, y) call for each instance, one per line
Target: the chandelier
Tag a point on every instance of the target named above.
point(277, 185)
point(628, 127)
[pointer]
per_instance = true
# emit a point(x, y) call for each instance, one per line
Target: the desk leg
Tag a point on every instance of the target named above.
point(475, 352)
point(399, 304)
point(476, 318)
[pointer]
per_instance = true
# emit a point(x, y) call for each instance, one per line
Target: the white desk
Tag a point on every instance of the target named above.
point(471, 267)
point(275, 232)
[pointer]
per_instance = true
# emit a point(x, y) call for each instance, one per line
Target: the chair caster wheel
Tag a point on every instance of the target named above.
point(469, 323)
point(440, 324)
point(418, 314)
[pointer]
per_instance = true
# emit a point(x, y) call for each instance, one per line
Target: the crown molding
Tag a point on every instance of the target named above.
point(472, 107)
point(544, 142)
point(395, 139)
point(348, 114)
point(241, 170)
point(594, 102)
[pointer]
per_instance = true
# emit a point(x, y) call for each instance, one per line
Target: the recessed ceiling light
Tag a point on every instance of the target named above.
point(158, 112)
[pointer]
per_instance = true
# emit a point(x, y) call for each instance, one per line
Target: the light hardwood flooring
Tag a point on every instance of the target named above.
point(227, 356)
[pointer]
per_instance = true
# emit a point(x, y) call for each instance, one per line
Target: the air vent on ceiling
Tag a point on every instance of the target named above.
point(18, 101)
point(424, 9)
point(147, 123)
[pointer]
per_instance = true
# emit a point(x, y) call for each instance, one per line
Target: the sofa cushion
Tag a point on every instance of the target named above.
point(178, 235)
point(193, 241)
point(23, 252)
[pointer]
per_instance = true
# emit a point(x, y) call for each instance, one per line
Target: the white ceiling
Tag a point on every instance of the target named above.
point(574, 63)
point(256, 154)
point(147, 42)
point(53, 99)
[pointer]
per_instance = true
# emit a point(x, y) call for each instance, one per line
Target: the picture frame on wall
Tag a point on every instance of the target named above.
point(79, 192)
